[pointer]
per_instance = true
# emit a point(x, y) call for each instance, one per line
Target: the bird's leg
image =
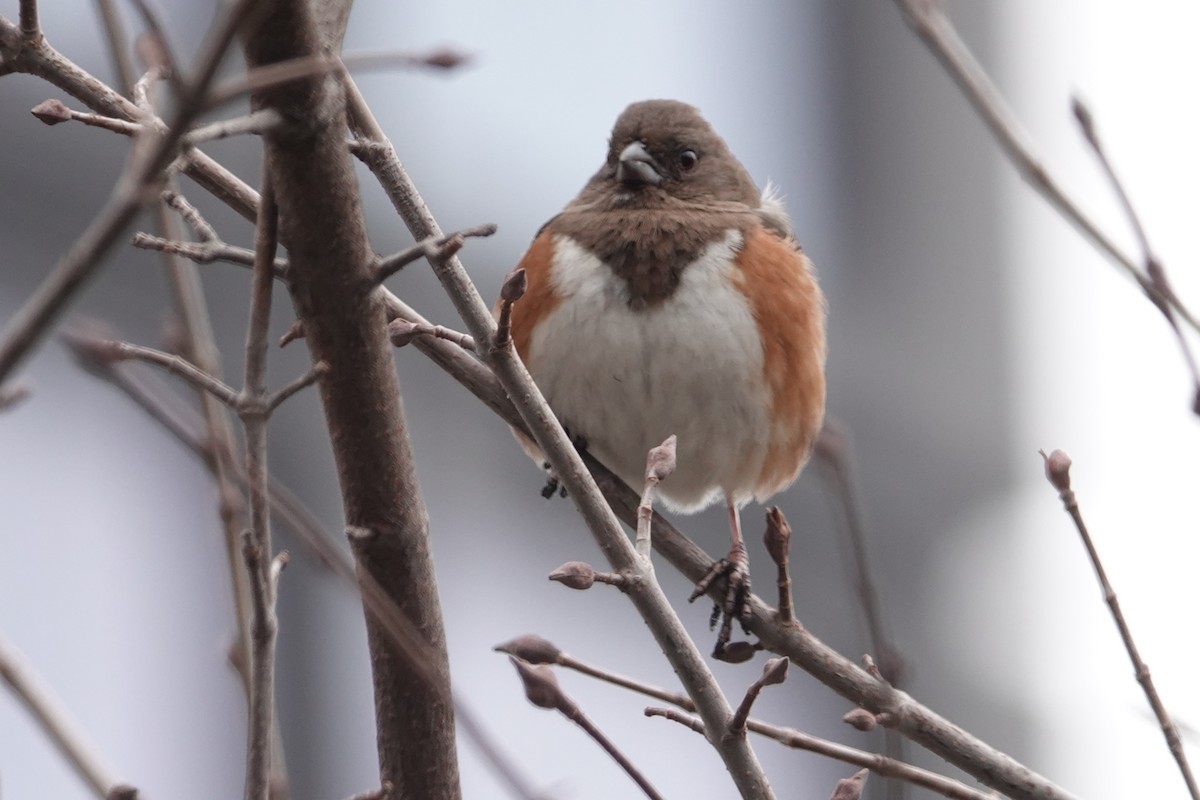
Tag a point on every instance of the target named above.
point(735, 569)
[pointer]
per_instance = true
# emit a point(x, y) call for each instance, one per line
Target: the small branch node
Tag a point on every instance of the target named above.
point(513, 289)
point(294, 332)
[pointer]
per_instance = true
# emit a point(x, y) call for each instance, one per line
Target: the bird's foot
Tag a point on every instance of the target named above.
point(735, 569)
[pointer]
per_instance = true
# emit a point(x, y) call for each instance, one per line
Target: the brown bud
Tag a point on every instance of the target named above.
point(531, 648)
point(541, 687)
point(1084, 117)
point(778, 537)
point(51, 112)
point(575, 575)
point(445, 58)
point(515, 284)
point(861, 719)
point(660, 462)
point(850, 788)
point(774, 671)
point(1058, 469)
point(402, 332)
point(122, 791)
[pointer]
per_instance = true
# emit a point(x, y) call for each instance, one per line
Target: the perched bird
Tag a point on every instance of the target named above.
point(670, 297)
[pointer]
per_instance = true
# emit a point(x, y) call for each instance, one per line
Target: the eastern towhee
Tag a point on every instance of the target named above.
point(670, 297)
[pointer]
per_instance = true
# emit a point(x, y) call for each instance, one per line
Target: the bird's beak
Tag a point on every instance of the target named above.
point(636, 166)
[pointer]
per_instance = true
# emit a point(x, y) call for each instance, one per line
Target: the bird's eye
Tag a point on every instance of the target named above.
point(688, 160)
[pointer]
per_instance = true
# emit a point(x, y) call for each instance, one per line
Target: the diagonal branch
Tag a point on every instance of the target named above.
point(55, 720)
point(31, 323)
point(926, 19)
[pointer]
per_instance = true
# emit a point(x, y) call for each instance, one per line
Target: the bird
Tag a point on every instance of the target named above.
point(670, 296)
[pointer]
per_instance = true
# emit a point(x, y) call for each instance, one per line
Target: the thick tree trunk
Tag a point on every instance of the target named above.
point(322, 226)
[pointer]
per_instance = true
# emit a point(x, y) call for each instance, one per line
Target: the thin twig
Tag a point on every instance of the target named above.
point(1058, 473)
point(879, 764)
point(926, 19)
point(778, 541)
point(401, 332)
point(254, 123)
point(660, 463)
point(124, 351)
point(429, 247)
point(833, 453)
point(314, 374)
point(117, 47)
point(32, 321)
point(774, 672)
point(203, 252)
point(12, 395)
point(254, 415)
point(296, 69)
point(1158, 289)
point(543, 691)
point(55, 720)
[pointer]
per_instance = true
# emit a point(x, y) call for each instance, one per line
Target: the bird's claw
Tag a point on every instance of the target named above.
point(735, 569)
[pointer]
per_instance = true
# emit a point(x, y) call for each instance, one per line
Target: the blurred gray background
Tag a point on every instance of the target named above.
point(968, 327)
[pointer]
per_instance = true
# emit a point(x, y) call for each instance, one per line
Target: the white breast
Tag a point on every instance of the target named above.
point(625, 379)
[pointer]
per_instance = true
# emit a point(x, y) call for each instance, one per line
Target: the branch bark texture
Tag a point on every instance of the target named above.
point(322, 224)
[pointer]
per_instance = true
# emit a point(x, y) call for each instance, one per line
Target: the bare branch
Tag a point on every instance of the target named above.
point(55, 720)
point(660, 463)
point(53, 112)
point(542, 689)
point(117, 47)
point(124, 351)
point(774, 672)
point(1158, 289)
point(314, 374)
point(30, 324)
point(429, 247)
point(263, 628)
point(282, 73)
point(12, 395)
point(1058, 472)
point(402, 332)
point(322, 226)
point(257, 547)
point(926, 19)
point(255, 123)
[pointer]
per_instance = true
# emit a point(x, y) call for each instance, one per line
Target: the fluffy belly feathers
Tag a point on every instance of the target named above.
point(624, 379)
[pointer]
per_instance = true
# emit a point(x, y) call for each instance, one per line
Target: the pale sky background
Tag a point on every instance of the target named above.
point(970, 326)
